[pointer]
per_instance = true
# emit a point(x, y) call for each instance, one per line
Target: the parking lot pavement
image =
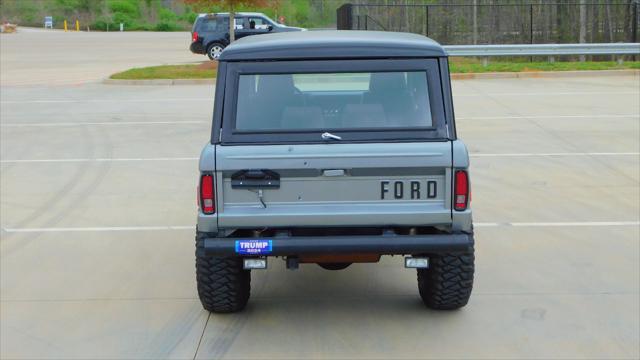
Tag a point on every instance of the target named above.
point(54, 57)
point(97, 210)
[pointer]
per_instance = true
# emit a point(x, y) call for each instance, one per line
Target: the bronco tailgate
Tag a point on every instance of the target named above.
point(350, 184)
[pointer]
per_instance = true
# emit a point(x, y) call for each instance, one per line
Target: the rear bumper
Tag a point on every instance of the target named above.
point(197, 48)
point(381, 244)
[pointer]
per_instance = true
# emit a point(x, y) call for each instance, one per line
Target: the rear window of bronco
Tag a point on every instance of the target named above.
point(333, 101)
point(380, 100)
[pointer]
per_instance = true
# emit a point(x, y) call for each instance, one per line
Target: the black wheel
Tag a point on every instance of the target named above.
point(223, 285)
point(334, 266)
point(447, 283)
point(214, 50)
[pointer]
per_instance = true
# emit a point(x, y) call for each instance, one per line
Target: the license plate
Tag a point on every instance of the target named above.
point(253, 247)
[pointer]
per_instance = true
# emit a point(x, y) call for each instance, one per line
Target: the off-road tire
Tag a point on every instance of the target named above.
point(447, 283)
point(223, 285)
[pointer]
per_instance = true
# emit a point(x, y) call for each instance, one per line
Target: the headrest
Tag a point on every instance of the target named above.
point(276, 84)
point(387, 82)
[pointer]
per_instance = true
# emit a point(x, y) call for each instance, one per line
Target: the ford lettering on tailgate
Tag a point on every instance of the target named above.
point(414, 190)
point(253, 247)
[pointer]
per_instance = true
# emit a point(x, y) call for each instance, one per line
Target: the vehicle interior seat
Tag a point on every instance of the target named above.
point(274, 94)
point(302, 117)
point(390, 90)
point(363, 116)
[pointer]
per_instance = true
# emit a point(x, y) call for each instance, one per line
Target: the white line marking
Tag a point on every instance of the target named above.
point(96, 160)
point(499, 117)
point(99, 229)
point(68, 101)
point(101, 101)
point(557, 154)
point(108, 123)
point(128, 114)
point(558, 224)
point(191, 227)
point(549, 93)
point(18, 161)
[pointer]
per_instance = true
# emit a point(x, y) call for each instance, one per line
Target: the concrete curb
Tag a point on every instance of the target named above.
point(456, 76)
point(160, 82)
point(543, 74)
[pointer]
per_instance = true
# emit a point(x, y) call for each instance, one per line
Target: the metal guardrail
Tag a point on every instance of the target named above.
point(544, 49)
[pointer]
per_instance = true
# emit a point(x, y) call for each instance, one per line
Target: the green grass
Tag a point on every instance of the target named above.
point(477, 67)
point(168, 72)
point(207, 70)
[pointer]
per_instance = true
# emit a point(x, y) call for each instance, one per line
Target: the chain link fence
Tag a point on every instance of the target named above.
point(485, 22)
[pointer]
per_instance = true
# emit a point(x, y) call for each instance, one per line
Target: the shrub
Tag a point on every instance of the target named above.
point(142, 27)
point(167, 15)
point(167, 26)
point(101, 24)
point(122, 18)
point(28, 11)
point(189, 17)
point(127, 7)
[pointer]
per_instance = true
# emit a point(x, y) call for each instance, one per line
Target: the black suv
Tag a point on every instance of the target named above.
point(210, 32)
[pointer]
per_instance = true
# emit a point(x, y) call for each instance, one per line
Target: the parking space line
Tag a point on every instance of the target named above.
point(98, 229)
point(192, 227)
point(6, 102)
point(556, 154)
point(69, 101)
point(577, 93)
point(558, 224)
point(498, 117)
point(487, 155)
point(108, 123)
point(97, 160)
point(208, 122)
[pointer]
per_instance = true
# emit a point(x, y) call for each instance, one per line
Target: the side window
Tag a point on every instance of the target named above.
point(223, 24)
point(213, 24)
point(209, 25)
point(258, 23)
point(239, 23)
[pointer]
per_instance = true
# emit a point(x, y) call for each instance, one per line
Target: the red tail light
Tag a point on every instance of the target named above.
point(207, 197)
point(461, 191)
point(194, 36)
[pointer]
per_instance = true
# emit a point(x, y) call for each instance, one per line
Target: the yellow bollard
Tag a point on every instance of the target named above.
point(77, 25)
point(65, 25)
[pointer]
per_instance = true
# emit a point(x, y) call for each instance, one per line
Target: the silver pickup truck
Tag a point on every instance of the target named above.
point(333, 148)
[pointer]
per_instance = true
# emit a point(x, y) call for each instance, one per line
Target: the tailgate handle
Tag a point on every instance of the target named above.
point(255, 179)
point(333, 172)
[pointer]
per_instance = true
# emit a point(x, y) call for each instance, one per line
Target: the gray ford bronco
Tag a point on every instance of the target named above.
point(333, 147)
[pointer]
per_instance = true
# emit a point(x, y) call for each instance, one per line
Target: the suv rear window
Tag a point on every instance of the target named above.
point(367, 100)
point(333, 101)
point(212, 24)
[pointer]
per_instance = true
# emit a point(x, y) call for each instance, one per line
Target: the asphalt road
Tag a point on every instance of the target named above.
point(54, 57)
point(97, 210)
